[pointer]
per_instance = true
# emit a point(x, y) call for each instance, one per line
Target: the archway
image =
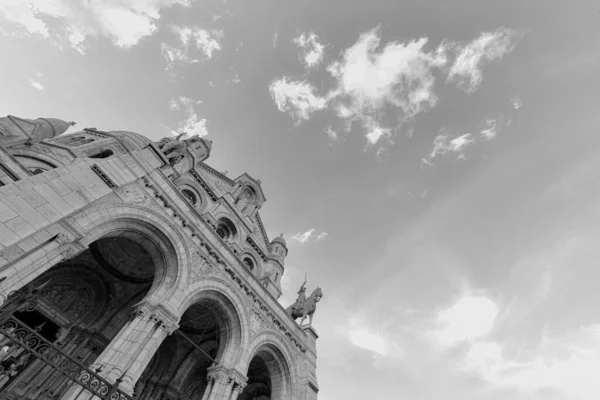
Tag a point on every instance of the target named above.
point(209, 334)
point(268, 376)
point(77, 307)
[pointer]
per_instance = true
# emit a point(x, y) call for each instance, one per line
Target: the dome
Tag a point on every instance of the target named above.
point(47, 128)
point(131, 140)
point(279, 239)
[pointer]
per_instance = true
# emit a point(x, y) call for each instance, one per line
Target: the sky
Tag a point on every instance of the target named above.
point(434, 166)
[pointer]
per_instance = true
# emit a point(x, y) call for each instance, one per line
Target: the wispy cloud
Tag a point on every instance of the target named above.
point(191, 41)
point(124, 22)
point(444, 143)
point(309, 235)
point(472, 57)
point(275, 36)
point(516, 102)
point(296, 97)
point(471, 317)
point(382, 88)
point(36, 84)
point(490, 129)
point(192, 125)
point(312, 50)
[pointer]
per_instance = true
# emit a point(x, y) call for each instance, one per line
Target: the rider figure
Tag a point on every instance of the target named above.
point(299, 304)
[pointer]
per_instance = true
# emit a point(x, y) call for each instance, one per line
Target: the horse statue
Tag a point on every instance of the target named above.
point(305, 307)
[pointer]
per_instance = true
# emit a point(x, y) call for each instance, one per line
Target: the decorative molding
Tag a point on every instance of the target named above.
point(215, 173)
point(262, 230)
point(313, 387)
point(204, 185)
point(109, 182)
point(256, 248)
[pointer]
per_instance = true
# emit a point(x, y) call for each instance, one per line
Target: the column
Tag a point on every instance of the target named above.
point(237, 390)
point(221, 388)
point(208, 389)
point(164, 325)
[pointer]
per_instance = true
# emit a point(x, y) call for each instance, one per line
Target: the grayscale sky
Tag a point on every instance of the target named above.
point(435, 163)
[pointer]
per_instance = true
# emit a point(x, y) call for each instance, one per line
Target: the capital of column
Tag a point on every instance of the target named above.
point(238, 379)
point(164, 320)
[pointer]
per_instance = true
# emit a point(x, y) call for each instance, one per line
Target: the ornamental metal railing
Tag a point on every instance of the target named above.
point(26, 337)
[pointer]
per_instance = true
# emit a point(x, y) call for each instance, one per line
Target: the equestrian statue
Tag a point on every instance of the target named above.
point(305, 306)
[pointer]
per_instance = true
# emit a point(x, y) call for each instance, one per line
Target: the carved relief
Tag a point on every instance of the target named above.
point(134, 195)
point(256, 322)
point(73, 301)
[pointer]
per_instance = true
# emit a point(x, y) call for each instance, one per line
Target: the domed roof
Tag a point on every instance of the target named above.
point(47, 128)
point(131, 140)
point(280, 239)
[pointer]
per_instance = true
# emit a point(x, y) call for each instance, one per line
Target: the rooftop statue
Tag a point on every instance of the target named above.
point(303, 306)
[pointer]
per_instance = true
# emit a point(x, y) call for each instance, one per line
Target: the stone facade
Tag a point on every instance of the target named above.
point(151, 268)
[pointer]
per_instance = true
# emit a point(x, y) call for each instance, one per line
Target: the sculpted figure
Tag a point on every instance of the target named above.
point(174, 148)
point(304, 307)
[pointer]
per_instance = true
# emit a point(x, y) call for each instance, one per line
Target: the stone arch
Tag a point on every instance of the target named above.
point(70, 272)
point(277, 357)
point(233, 310)
point(151, 231)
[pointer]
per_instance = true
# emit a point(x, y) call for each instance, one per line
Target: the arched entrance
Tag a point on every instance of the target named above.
point(54, 328)
point(209, 334)
point(268, 376)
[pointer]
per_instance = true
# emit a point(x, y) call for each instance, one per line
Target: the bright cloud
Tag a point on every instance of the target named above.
point(383, 87)
point(566, 363)
point(488, 47)
point(490, 129)
point(369, 81)
point(516, 102)
point(470, 318)
point(312, 50)
point(125, 22)
point(309, 235)
point(36, 85)
point(191, 40)
point(192, 125)
point(297, 98)
point(443, 144)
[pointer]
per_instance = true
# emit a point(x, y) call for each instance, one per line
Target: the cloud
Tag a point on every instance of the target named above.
point(490, 129)
point(191, 40)
point(309, 235)
point(192, 124)
point(331, 134)
point(36, 85)
point(383, 87)
point(125, 22)
point(312, 50)
point(275, 36)
point(516, 102)
point(443, 144)
point(488, 47)
point(397, 78)
point(296, 97)
point(469, 318)
point(567, 363)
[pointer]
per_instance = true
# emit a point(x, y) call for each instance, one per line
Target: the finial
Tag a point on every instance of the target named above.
point(71, 123)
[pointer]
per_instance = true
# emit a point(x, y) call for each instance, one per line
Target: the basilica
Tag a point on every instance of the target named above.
point(131, 269)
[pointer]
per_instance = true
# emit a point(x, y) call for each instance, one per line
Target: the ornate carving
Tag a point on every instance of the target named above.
point(64, 238)
point(68, 251)
point(134, 195)
point(104, 176)
point(256, 322)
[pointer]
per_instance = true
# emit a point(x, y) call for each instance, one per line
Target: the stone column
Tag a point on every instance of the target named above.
point(221, 388)
point(237, 390)
point(208, 389)
point(130, 350)
point(164, 325)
